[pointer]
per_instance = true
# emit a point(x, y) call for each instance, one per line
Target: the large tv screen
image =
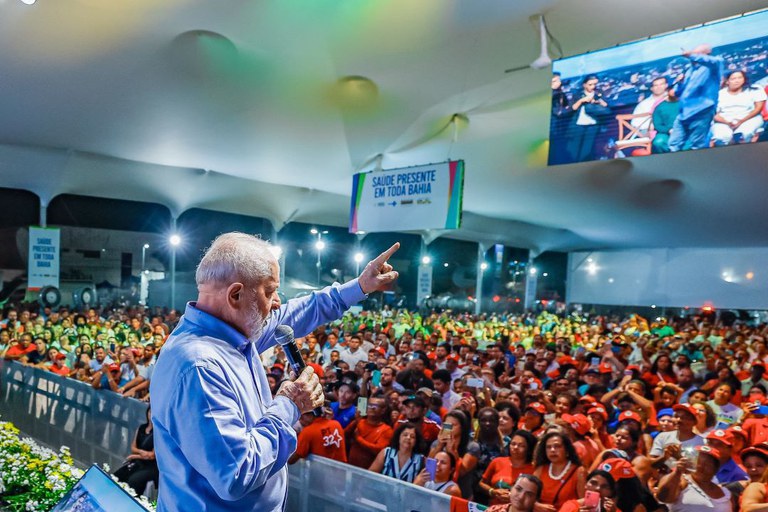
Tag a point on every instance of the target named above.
point(696, 88)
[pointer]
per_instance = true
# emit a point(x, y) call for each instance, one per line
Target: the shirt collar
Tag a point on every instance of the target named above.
point(215, 327)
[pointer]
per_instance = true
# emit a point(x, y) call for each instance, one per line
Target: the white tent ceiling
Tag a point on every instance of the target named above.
point(235, 106)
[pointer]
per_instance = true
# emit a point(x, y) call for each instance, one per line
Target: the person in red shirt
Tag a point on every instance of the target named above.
point(415, 409)
point(368, 435)
point(19, 351)
point(756, 427)
point(320, 436)
point(58, 366)
point(579, 427)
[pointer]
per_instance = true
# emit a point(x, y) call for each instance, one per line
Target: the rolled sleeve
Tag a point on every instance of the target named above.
point(233, 458)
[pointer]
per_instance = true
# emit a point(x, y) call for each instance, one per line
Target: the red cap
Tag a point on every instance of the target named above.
point(630, 415)
point(114, 367)
point(724, 436)
point(279, 366)
point(589, 399)
point(709, 451)
point(578, 422)
point(567, 360)
point(538, 407)
point(381, 351)
point(758, 363)
point(453, 357)
point(60, 356)
point(605, 368)
point(686, 408)
point(618, 468)
point(598, 409)
point(760, 449)
point(633, 367)
point(736, 430)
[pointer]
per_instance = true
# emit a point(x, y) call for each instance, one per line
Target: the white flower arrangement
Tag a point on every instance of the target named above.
point(33, 478)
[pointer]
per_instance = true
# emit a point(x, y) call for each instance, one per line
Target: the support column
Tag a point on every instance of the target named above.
point(173, 265)
point(481, 268)
point(531, 281)
point(43, 214)
point(424, 282)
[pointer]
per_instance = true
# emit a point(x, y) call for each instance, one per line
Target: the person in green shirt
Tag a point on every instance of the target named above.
point(664, 116)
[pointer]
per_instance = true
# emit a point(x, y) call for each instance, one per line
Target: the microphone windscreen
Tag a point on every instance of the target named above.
point(283, 334)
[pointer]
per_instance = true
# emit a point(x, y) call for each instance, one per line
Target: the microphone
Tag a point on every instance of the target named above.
point(284, 337)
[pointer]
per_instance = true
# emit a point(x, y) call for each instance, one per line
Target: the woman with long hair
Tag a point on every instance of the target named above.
point(454, 438)
point(140, 467)
point(401, 459)
point(705, 419)
point(502, 472)
point(559, 468)
point(565, 403)
point(661, 370)
point(739, 106)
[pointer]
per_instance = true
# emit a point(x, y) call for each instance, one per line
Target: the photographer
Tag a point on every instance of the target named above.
point(588, 111)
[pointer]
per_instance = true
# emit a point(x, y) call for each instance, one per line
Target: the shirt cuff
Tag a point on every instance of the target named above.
point(351, 293)
point(285, 409)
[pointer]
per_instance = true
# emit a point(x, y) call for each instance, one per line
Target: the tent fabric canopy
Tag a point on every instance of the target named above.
point(267, 108)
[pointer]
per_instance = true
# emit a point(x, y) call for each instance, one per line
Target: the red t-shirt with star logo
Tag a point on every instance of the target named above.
point(323, 437)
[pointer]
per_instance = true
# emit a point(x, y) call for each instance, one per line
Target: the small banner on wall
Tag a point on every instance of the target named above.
point(408, 199)
point(43, 269)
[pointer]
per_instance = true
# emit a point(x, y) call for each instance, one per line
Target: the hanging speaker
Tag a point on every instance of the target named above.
point(49, 297)
point(84, 296)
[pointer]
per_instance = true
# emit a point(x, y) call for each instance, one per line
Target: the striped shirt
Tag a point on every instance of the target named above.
point(408, 472)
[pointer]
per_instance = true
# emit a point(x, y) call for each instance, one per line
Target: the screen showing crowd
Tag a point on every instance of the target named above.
point(696, 88)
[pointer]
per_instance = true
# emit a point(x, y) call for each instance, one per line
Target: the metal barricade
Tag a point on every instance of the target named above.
point(97, 425)
point(325, 485)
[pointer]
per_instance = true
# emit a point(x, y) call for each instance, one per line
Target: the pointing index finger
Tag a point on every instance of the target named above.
point(383, 257)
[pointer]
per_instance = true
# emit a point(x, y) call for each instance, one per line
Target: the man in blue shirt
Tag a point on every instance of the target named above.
point(697, 90)
point(344, 410)
point(722, 441)
point(222, 442)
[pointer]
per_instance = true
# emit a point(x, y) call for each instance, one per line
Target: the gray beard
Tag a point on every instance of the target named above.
point(256, 327)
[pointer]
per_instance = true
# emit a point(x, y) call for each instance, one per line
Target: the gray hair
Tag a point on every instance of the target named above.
point(235, 257)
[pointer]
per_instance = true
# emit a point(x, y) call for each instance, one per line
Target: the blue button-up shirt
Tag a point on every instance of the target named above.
point(730, 472)
point(701, 86)
point(221, 441)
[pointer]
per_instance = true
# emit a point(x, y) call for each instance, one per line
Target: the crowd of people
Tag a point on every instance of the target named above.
point(699, 99)
point(518, 412)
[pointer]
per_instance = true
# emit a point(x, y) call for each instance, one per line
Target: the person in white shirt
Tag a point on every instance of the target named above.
point(659, 87)
point(727, 413)
point(738, 117)
point(669, 446)
point(353, 353)
point(442, 381)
